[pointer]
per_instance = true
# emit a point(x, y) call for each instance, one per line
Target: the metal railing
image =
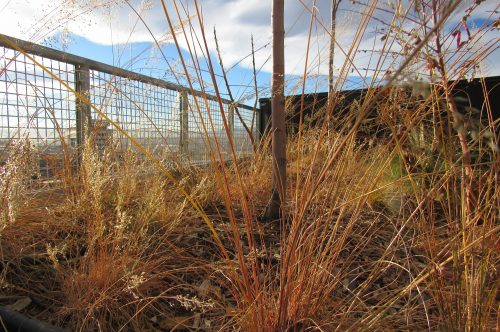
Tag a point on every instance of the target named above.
point(160, 115)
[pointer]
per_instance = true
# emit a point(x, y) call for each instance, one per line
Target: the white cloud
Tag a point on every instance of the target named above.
point(113, 22)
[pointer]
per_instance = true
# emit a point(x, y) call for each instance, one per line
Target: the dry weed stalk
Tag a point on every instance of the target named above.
point(397, 231)
point(15, 176)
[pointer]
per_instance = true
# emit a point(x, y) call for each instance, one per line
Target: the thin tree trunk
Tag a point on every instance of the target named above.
point(275, 208)
point(333, 26)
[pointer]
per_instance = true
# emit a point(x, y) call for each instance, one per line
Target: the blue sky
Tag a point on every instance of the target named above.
point(110, 31)
point(141, 57)
point(137, 57)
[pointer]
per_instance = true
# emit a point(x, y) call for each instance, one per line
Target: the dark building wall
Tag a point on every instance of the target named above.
point(472, 92)
point(466, 94)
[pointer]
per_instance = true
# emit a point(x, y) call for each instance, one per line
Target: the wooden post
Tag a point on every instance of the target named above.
point(256, 127)
point(333, 24)
point(231, 127)
point(264, 117)
point(184, 124)
point(275, 208)
point(82, 86)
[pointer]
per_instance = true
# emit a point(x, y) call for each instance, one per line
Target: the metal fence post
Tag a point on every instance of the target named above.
point(82, 86)
point(256, 127)
point(231, 121)
point(184, 124)
point(230, 124)
point(264, 117)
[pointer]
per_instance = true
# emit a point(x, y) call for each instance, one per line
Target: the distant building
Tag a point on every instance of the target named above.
point(101, 133)
point(467, 93)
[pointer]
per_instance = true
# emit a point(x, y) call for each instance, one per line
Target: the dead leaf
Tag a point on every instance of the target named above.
point(496, 25)
point(197, 320)
point(177, 322)
point(19, 304)
point(204, 288)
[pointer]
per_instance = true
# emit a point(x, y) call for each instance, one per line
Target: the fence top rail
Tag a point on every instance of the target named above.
point(76, 60)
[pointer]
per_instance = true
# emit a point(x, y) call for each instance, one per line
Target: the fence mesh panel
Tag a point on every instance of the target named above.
point(35, 104)
point(150, 114)
point(153, 112)
point(207, 112)
point(243, 143)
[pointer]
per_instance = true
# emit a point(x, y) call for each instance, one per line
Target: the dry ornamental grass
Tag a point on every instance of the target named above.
point(394, 233)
